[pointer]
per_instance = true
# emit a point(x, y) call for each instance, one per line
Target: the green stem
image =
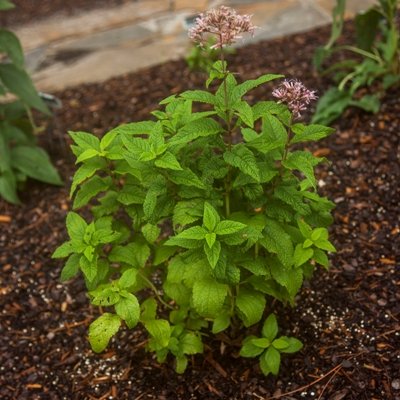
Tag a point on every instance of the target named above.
point(154, 289)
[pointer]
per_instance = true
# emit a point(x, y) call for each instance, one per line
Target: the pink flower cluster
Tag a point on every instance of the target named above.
point(295, 95)
point(224, 23)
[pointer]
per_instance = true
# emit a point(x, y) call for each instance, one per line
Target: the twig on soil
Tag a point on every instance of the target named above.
point(329, 381)
point(333, 370)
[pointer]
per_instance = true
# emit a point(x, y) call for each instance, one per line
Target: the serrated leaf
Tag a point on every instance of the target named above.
point(246, 86)
point(208, 297)
point(308, 133)
point(90, 189)
point(199, 95)
point(85, 140)
point(187, 178)
point(134, 254)
point(198, 128)
point(76, 226)
point(63, 250)
point(151, 232)
point(290, 278)
point(245, 112)
point(243, 158)
point(301, 255)
point(85, 171)
point(195, 233)
point(168, 161)
point(213, 253)
point(128, 278)
point(293, 197)
point(304, 162)
point(210, 239)
point(187, 212)
point(321, 258)
point(102, 329)
point(250, 305)
point(325, 245)
point(191, 344)
point(128, 309)
point(228, 227)
point(277, 241)
point(160, 331)
point(71, 268)
point(210, 217)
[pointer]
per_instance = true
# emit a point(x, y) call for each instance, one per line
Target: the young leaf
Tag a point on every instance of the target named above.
point(181, 364)
point(210, 217)
point(309, 133)
point(220, 323)
point(294, 345)
point(76, 226)
point(64, 250)
point(301, 255)
point(273, 360)
point(208, 297)
point(128, 278)
point(199, 95)
point(128, 309)
point(102, 329)
point(249, 349)
point(151, 232)
point(213, 253)
point(270, 328)
point(210, 239)
point(191, 344)
point(90, 189)
point(228, 227)
point(280, 343)
point(71, 268)
point(159, 330)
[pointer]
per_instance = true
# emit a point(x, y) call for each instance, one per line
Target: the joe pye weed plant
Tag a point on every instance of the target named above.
point(200, 219)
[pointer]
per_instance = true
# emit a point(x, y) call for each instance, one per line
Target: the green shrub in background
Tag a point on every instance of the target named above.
point(377, 43)
point(20, 157)
point(200, 219)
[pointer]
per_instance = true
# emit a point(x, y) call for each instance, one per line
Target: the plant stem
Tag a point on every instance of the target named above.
point(154, 289)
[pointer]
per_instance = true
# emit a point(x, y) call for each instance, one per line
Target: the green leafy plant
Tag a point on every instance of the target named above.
point(377, 43)
point(200, 216)
point(20, 157)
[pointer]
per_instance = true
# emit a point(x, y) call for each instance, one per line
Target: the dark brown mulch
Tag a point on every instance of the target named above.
point(347, 318)
point(29, 10)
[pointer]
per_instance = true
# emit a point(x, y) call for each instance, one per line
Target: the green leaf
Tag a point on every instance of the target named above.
point(304, 162)
point(134, 254)
point(198, 128)
point(89, 268)
point(35, 163)
point(187, 212)
point(85, 171)
point(261, 342)
point(6, 5)
point(63, 251)
point(210, 217)
point(10, 44)
point(250, 305)
point(249, 349)
point(228, 227)
point(277, 241)
point(194, 233)
point(90, 189)
point(76, 226)
point(325, 245)
point(102, 329)
point(191, 344)
point(71, 268)
point(294, 345)
point(270, 328)
point(87, 155)
point(128, 278)
point(280, 343)
point(199, 95)
point(246, 86)
point(187, 178)
point(208, 297)
point(181, 364)
point(368, 103)
point(309, 133)
point(160, 331)
point(245, 112)
point(18, 82)
point(168, 161)
point(293, 197)
point(128, 309)
point(301, 255)
point(151, 232)
point(321, 258)
point(213, 253)
point(8, 187)
point(220, 323)
point(210, 239)
point(243, 158)
point(273, 360)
